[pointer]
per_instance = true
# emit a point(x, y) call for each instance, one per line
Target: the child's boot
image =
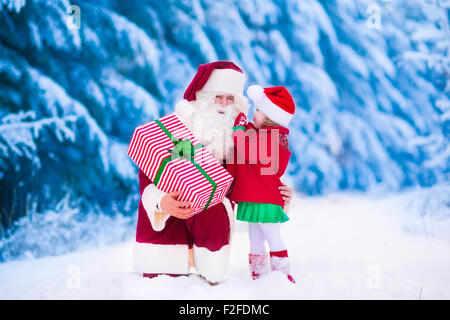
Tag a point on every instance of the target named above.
point(259, 265)
point(279, 261)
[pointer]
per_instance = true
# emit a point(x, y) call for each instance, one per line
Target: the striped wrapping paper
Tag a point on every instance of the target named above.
point(169, 154)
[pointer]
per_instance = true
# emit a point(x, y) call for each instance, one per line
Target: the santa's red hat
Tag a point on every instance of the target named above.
point(219, 76)
point(275, 102)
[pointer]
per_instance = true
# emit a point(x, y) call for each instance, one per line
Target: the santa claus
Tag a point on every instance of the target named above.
point(168, 240)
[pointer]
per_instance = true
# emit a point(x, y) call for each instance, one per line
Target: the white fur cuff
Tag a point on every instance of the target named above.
point(212, 265)
point(159, 258)
point(150, 198)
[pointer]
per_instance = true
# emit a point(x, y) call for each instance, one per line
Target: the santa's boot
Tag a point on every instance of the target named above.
point(212, 265)
point(259, 265)
point(279, 261)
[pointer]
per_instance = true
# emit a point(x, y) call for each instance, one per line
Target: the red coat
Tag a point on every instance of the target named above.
point(177, 231)
point(257, 172)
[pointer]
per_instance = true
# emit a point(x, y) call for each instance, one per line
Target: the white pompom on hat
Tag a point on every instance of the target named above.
point(275, 102)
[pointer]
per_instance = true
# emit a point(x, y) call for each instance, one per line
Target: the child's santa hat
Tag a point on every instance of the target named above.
point(219, 76)
point(275, 102)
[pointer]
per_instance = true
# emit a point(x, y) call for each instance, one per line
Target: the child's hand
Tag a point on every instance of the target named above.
point(287, 193)
point(241, 120)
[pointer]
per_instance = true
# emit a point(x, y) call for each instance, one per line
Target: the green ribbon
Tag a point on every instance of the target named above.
point(183, 149)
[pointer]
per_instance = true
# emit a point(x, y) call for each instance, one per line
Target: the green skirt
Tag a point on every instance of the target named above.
point(260, 212)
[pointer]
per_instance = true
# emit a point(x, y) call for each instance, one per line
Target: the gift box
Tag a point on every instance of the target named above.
point(174, 159)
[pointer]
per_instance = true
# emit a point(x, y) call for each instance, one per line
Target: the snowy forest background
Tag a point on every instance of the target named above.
point(370, 79)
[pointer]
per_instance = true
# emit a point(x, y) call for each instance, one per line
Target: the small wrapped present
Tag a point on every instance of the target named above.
point(173, 159)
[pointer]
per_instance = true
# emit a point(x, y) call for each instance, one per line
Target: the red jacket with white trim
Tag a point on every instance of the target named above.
point(260, 159)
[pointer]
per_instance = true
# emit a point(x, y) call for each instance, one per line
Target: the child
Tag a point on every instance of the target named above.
point(261, 157)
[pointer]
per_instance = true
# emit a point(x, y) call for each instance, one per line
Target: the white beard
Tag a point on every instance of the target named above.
point(212, 128)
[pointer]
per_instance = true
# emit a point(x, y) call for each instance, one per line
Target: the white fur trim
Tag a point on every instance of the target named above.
point(270, 109)
point(213, 265)
point(184, 108)
point(259, 263)
point(231, 214)
point(226, 81)
point(280, 264)
point(159, 258)
point(150, 198)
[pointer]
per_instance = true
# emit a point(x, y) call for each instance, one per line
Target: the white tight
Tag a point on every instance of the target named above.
point(260, 232)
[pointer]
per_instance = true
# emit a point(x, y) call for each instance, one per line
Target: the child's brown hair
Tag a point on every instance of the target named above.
point(269, 123)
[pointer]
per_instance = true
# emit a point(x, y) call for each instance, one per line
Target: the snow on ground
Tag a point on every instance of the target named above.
point(343, 246)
